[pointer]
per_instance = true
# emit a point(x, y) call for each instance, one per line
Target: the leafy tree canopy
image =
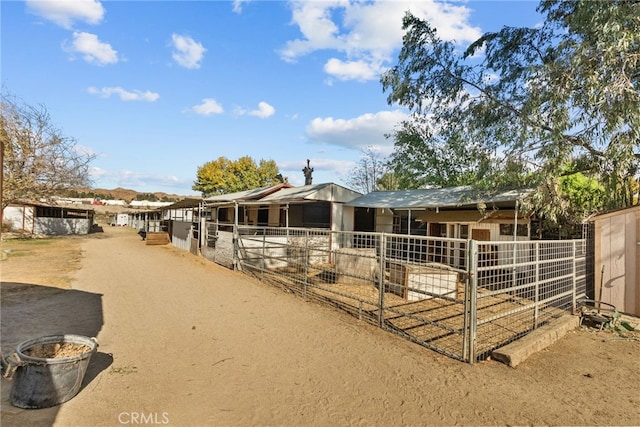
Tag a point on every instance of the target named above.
point(38, 160)
point(223, 176)
point(582, 193)
point(521, 104)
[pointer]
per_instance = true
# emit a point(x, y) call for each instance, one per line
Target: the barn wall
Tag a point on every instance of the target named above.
point(62, 226)
point(181, 236)
point(274, 216)
point(384, 220)
point(19, 217)
point(343, 217)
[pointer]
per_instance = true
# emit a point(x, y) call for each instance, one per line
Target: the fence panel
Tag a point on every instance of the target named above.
point(462, 298)
point(522, 286)
point(424, 291)
point(406, 284)
point(219, 244)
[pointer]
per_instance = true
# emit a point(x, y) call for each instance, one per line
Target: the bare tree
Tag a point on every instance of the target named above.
point(366, 175)
point(38, 162)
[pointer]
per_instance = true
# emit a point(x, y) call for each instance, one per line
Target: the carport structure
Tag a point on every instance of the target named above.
point(279, 207)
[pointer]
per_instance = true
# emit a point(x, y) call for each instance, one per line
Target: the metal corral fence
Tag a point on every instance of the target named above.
point(462, 298)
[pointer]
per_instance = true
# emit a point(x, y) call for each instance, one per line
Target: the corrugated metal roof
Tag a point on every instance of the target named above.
point(452, 197)
point(185, 203)
point(328, 192)
point(253, 194)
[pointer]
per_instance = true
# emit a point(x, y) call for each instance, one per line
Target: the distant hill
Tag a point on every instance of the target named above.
point(124, 194)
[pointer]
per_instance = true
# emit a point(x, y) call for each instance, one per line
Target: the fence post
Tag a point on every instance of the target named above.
point(305, 260)
point(574, 281)
point(383, 262)
point(236, 247)
point(536, 296)
point(264, 254)
point(471, 300)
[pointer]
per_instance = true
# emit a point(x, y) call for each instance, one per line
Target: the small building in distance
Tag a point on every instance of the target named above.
point(44, 219)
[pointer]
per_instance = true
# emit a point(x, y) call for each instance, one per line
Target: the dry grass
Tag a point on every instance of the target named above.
point(49, 262)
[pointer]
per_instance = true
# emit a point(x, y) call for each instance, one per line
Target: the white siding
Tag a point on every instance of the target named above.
point(19, 217)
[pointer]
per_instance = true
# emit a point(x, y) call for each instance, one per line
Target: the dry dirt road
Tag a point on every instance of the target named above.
point(187, 343)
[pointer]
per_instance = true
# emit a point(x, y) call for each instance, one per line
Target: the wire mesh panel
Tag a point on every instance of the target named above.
point(280, 253)
point(462, 298)
point(523, 285)
point(405, 284)
point(424, 291)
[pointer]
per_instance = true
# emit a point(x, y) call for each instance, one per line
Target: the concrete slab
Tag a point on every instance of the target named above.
point(518, 351)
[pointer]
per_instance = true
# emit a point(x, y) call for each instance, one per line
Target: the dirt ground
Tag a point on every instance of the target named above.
point(185, 342)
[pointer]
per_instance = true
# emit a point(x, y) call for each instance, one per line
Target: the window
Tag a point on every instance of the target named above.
point(464, 231)
point(223, 214)
point(263, 215)
point(401, 224)
point(507, 230)
point(311, 215)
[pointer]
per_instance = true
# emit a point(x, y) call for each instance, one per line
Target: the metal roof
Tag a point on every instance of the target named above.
point(452, 197)
point(328, 192)
point(184, 203)
point(52, 205)
point(253, 194)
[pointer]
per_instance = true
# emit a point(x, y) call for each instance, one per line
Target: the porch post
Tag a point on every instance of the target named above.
point(235, 235)
point(381, 280)
point(203, 223)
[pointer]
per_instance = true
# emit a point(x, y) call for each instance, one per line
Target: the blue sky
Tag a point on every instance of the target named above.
point(156, 89)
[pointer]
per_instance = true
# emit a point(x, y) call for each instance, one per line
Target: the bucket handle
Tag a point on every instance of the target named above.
point(10, 364)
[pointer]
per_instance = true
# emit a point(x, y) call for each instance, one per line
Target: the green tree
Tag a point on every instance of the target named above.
point(585, 194)
point(38, 161)
point(391, 180)
point(223, 176)
point(150, 197)
point(530, 99)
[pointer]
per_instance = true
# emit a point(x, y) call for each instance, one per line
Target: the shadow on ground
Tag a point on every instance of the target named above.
point(31, 311)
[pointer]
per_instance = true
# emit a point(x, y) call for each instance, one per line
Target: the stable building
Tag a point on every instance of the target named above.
point(48, 220)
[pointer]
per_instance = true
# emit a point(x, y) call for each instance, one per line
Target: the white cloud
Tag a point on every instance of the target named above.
point(187, 52)
point(264, 110)
point(350, 70)
point(208, 107)
point(138, 180)
point(124, 95)
point(368, 130)
point(92, 49)
point(84, 150)
point(65, 12)
point(367, 33)
point(237, 5)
